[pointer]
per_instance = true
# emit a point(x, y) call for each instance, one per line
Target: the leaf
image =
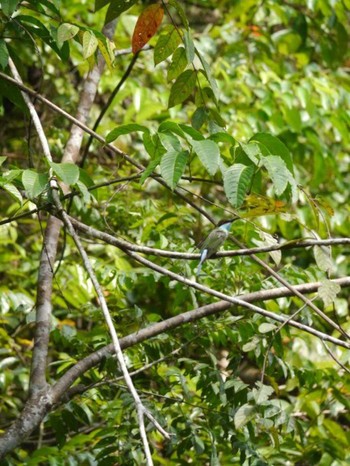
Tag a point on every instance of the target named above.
point(275, 147)
point(278, 172)
point(178, 63)
point(115, 9)
point(170, 141)
point(124, 129)
point(34, 183)
point(252, 150)
point(13, 191)
point(180, 11)
point(90, 44)
point(67, 172)
point(323, 258)
point(149, 169)
point(166, 45)
point(266, 327)
point(182, 88)
point(237, 179)
point(199, 117)
point(243, 415)
point(9, 6)
point(208, 153)
point(4, 54)
point(146, 26)
point(269, 240)
point(106, 48)
point(209, 76)
point(2, 159)
point(101, 3)
point(66, 31)
point(172, 166)
point(189, 47)
point(328, 291)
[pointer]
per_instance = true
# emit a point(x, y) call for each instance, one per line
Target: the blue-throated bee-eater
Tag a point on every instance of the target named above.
point(214, 240)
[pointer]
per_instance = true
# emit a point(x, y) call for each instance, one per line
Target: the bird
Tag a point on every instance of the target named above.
point(213, 241)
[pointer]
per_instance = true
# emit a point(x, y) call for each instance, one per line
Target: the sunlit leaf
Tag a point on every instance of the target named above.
point(243, 415)
point(278, 172)
point(66, 31)
point(67, 172)
point(237, 180)
point(275, 147)
point(90, 44)
point(34, 183)
point(208, 153)
point(328, 292)
point(323, 258)
point(172, 166)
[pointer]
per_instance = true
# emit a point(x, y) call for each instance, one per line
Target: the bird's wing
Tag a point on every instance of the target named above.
point(214, 240)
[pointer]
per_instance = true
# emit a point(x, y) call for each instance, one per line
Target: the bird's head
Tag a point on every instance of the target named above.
point(227, 222)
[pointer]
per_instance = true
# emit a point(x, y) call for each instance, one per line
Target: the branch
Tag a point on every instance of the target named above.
point(62, 385)
point(130, 250)
point(72, 147)
point(107, 147)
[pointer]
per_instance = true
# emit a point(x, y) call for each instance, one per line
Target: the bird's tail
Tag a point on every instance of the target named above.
point(203, 257)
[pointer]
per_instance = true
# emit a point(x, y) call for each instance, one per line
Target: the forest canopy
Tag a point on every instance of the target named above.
point(130, 130)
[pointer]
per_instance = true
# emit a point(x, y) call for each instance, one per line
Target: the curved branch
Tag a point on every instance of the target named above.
point(152, 331)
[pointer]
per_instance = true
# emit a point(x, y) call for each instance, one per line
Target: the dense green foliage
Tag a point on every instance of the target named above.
point(240, 107)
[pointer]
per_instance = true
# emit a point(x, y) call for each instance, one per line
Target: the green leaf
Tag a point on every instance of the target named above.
point(2, 159)
point(66, 31)
point(9, 6)
point(323, 258)
point(13, 191)
point(67, 172)
point(199, 117)
point(208, 153)
point(328, 292)
point(278, 172)
point(106, 48)
point(150, 168)
point(243, 415)
point(170, 141)
point(166, 45)
point(172, 166)
point(182, 88)
point(101, 3)
point(252, 150)
point(180, 11)
point(237, 180)
point(266, 328)
point(207, 73)
point(178, 64)
point(34, 183)
point(116, 8)
point(90, 44)
point(189, 46)
point(124, 129)
point(4, 54)
point(275, 147)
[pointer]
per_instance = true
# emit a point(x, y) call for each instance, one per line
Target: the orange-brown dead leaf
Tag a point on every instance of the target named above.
point(146, 26)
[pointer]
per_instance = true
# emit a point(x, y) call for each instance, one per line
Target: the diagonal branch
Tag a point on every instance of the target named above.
point(62, 385)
